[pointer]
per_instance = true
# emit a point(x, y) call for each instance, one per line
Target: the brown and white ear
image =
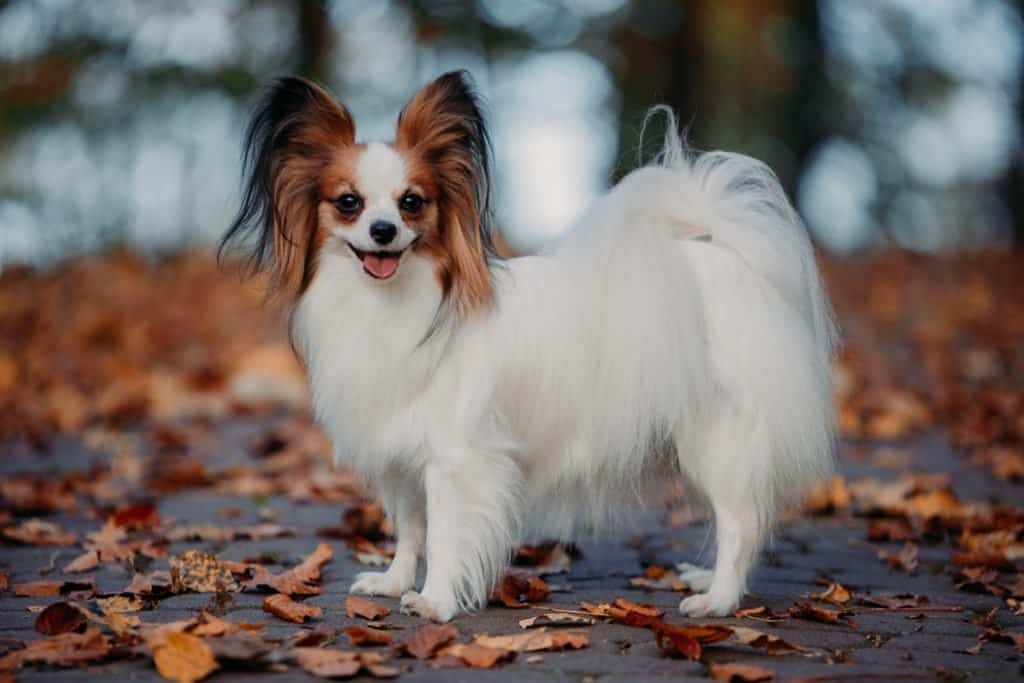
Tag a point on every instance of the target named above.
point(297, 130)
point(443, 128)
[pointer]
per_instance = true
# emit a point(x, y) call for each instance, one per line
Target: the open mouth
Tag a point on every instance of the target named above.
point(379, 264)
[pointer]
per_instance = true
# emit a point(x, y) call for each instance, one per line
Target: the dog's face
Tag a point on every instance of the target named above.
point(371, 202)
point(311, 188)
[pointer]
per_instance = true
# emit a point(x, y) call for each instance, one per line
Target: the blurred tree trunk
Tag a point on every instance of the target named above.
point(732, 70)
point(314, 38)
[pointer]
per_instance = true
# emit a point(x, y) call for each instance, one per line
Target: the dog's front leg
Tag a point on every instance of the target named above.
point(473, 511)
point(403, 501)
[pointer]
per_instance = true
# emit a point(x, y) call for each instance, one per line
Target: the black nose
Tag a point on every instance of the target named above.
point(383, 232)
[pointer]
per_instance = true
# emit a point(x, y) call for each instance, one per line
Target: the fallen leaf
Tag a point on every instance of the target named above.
point(773, 645)
point(836, 593)
point(200, 572)
point(687, 641)
point(67, 649)
point(38, 589)
point(905, 559)
point(83, 563)
point(739, 673)
point(137, 517)
point(356, 606)
point(535, 640)
point(4, 576)
point(58, 618)
point(827, 496)
point(760, 613)
point(625, 612)
point(898, 529)
point(659, 578)
point(39, 532)
point(280, 605)
point(477, 656)
point(361, 636)
point(516, 590)
point(558, 619)
point(822, 615)
point(327, 663)
point(184, 658)
point(298, 580)
point(428, 639)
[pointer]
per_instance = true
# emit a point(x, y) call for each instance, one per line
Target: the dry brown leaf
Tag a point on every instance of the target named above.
point(898, 529)
point(137, 517)
point(39, 532)
point(477, 656)
point(535, 640)
point(760, 613)
point(85, 562)
point(822, 615)
point(67, 649)
point(687, 641)
point(38, 589)
point(625, 612)
point(298, 580)
point(425, 641)
point(659, 578)
point(556, 618)
point(548, 557)
point(356, 606)
point(201, 572)
point(827, 496)
point(773, 645)
point(280, 605)
point(361, 636)
point(4, 576)
point(739, 673)
point(905, 559)
point(516, 590)
point(60, 617)
point(327, 663)
point(184, 658)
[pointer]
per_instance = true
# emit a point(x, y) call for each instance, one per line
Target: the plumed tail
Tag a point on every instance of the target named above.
point(737, 201)
point(770, 331)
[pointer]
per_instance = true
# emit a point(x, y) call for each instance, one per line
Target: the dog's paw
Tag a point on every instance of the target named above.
point(708, 605)
point(418, 605)
point(696, 578)
point(379, 583)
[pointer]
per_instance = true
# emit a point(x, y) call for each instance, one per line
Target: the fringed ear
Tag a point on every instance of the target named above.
point(443, 127)
point(296, 131)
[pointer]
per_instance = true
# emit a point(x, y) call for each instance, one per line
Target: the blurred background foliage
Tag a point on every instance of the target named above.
point(890, 121)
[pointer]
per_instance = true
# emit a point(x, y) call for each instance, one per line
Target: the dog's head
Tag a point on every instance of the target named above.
point(309, 186)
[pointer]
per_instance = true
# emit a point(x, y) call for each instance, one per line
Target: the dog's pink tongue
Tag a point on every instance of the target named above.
point(381, 265)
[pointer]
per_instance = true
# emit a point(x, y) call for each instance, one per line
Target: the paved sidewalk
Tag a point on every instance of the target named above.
point(876, 644)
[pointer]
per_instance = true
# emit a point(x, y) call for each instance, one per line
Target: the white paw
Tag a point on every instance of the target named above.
point(379, 583)
point(417, 605)
point(696, 578)
point(708, 605)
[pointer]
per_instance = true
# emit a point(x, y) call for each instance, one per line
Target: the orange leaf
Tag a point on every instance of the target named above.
point(739, 673)
point(356, 606)
point(184, 658)
point(58, 618)
point(280, 605)
point(427, 640)
point(360, 636)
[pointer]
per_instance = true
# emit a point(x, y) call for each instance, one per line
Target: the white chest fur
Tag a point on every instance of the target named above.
point(361, 341)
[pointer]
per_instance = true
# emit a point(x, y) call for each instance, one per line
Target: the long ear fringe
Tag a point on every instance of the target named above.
point(279, 130)
point(444, 125)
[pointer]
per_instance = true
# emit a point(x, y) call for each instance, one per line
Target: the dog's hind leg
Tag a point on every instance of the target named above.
point(738, 520)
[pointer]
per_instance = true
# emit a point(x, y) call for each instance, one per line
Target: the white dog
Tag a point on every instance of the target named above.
point(680, 329)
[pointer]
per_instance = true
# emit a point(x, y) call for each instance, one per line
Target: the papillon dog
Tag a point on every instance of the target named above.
point(678, 331)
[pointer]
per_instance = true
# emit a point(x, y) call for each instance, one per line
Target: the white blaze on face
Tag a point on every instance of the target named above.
point(381, 179)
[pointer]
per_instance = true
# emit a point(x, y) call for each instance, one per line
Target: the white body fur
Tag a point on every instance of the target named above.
point(625, 350)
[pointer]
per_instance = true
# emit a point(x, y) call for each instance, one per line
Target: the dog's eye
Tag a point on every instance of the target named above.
point(410, 202)
point(348, 202)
